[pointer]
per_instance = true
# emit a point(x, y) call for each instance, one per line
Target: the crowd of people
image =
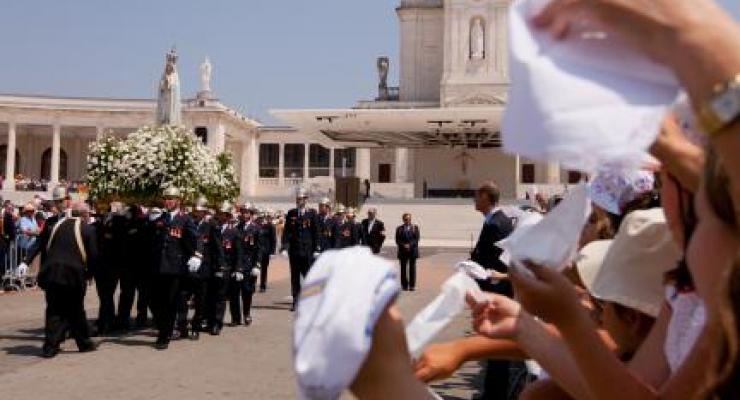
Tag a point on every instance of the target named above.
point(649, 308)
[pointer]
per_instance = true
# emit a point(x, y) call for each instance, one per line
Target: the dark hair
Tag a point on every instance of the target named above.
point(404, 215)
point(491, 190)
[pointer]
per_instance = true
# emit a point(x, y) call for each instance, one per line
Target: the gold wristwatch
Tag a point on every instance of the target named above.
point(723, 108)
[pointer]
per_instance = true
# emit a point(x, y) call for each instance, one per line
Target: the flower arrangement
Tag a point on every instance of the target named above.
point(139, 167)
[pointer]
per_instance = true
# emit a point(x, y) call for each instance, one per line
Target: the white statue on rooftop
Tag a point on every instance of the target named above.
point(169, 107)
point(205, 75)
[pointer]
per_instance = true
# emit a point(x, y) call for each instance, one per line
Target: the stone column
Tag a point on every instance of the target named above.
point(79, 160)
point(55, 152)
point(553, 173)
point(249, 167)
point(331, 162)
point(362, 168)
point(402, 164)
point(9, 183)
point(281, 164)
point(306, 155)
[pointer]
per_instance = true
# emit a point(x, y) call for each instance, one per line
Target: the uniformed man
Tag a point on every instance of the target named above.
point(61, 202)
point(244, 277)
point(300, 241)
point(140, 236)
point(349, 231)
point(218, 282)
point(326, 225)
point(195, 283)
point(175, 244)
point(70, 254)
point(114, 269)
point(373, 231)
point(268, 245)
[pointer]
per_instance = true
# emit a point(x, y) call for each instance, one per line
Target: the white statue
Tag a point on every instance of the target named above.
point(205, 75)
point(168, 102)
point(477, 40)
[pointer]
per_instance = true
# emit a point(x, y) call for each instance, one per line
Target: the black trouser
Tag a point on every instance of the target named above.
point(408, 272)
point(243, 290)
point(105, 286)
point(264, 263)
point(216, 294)
point(496, 383)
point(165, 293)
point(65, 311)
point(299, 267)
point(125, 277)
point(143, 282)
point(195, 288)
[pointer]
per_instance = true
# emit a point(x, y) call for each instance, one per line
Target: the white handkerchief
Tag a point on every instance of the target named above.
point(553, 241)
point(585, 101)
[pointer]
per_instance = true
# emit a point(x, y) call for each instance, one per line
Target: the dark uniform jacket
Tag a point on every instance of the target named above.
point(210, 248)
point(348, 234)
point(231, 240)
point(409, 237)
point(175, 242)
point(301, 234)
point(113, 241)
point(268, 238)
point(375, 237)
point(251, 252)
point(327, 227)
point(139, 239)
point(64, 264)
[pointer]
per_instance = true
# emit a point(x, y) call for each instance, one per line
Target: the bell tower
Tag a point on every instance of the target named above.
point(475, 53)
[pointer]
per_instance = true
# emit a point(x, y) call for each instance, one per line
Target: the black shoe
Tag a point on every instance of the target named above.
point(247, 321)
point(216, 330)
point(162, 344)
point(194, 334)
point(49, 352)
point(413, 289)
point(87, 346)
point(141, 322)
point(236, 323)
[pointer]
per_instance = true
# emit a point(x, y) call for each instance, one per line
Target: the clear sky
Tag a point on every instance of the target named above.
point(265, 53)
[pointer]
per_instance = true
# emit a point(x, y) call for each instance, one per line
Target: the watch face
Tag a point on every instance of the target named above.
point(727, 105)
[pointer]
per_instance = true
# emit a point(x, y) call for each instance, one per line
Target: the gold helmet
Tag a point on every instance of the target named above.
point(325, 201)
point(226, 207)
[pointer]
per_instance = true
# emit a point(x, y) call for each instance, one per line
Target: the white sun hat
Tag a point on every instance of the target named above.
point(629, 270)
point(342, 297)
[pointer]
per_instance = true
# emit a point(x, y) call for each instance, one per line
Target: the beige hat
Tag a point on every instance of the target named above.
point(629, 270)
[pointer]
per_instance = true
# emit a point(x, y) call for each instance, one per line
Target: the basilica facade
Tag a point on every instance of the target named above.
point(434, 134)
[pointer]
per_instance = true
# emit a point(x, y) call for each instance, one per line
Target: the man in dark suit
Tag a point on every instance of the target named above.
point(70, 255)
point(373, 231)
point(268, 245)
point(301, 241)
point(497, 226)
point(195, 283)
point(349, 232)
point(174, 247)
point(61, 202)
point(326, 226)
point(244, 277)
point(218, 283)
point(407, 240)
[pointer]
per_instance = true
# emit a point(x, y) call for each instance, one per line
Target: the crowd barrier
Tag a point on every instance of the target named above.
point(13, 255)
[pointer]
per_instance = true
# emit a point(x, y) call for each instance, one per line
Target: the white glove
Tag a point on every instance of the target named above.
point(238, 276)
point(219, 274)
point(22, 269)
point(316, 254)
point(194, 264)
point(284, 253)
point(473, 270)
point(256, 272)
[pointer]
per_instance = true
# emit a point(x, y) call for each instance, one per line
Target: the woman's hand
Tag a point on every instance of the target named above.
point(545, 293)
point(495, 318)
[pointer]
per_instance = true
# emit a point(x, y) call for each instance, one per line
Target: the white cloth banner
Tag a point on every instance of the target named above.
point(586, 102)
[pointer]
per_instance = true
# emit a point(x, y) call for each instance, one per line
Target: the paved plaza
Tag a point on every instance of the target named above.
point(242, 363)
